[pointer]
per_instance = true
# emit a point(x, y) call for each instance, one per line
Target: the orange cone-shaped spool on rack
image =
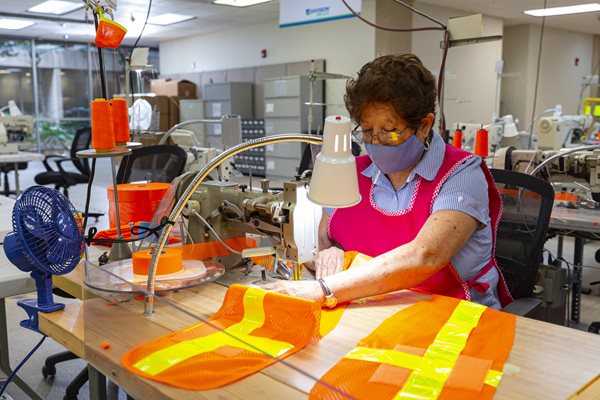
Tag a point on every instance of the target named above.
point(103, 136)
point(120, 118)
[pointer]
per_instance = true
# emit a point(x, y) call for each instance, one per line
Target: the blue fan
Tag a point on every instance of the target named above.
point(46, 240)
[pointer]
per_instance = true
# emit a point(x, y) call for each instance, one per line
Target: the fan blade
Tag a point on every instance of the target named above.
point(36, 226)
point(58, 251)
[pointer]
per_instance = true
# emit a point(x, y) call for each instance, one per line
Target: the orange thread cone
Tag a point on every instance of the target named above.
point(103, 135)
point(481, 143)
point(120, 120)
point(457, 139)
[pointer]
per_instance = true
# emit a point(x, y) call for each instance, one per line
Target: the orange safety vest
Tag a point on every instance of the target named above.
point(444, 348)
point(252, 329)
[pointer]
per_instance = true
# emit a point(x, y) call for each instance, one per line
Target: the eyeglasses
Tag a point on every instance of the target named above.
point(384, 137)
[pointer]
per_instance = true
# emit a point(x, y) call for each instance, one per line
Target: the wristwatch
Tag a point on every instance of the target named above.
point(330, 299)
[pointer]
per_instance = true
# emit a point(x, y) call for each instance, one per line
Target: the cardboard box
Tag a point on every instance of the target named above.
point(160, 104)
point(174, 110)
point(173, 87)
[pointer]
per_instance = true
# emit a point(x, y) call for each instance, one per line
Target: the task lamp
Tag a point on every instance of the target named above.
point(334, 177)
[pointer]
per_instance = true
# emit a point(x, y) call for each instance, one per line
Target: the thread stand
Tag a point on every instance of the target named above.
point(118, 251)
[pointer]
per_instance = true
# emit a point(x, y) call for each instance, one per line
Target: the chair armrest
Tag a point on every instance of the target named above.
point(64, 173)
point(50, 157)
point(522, 307)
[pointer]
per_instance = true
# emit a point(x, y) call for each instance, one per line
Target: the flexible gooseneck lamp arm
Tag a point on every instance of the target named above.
point(200, 176)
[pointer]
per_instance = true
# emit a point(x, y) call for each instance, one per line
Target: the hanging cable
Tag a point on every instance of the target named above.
point(14, 372)
point(537, 78)
point(357, 15)
point(142, 31)
point(422, 14)
point(445, 47)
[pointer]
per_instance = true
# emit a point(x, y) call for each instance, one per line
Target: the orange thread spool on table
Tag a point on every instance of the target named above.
point(481, 143)
point(137, 201)
point(103, 135)
point(170, 261)
point(457, 139)
point(120, 120)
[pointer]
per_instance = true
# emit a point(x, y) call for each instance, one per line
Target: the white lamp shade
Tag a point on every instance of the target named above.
point(334, 181)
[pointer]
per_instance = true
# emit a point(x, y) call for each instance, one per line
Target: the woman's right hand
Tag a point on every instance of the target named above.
point(329, 261)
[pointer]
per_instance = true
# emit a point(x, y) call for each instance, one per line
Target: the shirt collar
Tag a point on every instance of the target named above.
point(427, 168)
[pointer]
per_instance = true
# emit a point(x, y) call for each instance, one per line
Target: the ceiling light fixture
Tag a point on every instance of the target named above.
point(239, 3)
point(14, 24)
point(169, 19)
point(56, 7)
point(553, 11)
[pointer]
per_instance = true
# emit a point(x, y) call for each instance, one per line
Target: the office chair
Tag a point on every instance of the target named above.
point(521, 234)
point(60, 178)
point(161, 163)
point(5, 169)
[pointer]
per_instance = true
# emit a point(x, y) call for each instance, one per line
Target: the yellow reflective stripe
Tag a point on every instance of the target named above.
point(407, 360)
point(428, 383)
point(237, 335)
point(390, 357)
point(330, 319)
point(493, 378)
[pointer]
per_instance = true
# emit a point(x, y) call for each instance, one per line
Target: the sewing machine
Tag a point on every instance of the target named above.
point(6, 147)
point(286, 218)
point(17, 127)
point(197, 156)
point(556, 132)
point(576, 173)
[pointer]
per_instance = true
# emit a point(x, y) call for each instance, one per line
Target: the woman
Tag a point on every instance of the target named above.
point(428, 213)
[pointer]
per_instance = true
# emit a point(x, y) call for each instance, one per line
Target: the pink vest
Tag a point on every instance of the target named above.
point(384, 231)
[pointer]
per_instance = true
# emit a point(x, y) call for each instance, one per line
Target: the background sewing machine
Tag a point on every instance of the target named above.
point(198, 156)
point(556, 132)
point(576, 173)
point(14, 128)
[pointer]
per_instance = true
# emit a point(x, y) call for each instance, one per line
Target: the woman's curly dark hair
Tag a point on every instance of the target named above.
point(400, 80)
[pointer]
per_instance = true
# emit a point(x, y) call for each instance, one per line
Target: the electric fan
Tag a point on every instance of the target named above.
point(46, 240)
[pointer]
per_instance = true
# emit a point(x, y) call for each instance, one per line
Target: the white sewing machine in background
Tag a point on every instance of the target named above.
point(197, 156)
point(556, 132)
point(14, 127)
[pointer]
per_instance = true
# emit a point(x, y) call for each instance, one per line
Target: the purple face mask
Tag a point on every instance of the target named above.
point(396, 158)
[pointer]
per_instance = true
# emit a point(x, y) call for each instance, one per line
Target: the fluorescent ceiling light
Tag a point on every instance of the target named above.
point(56, 7)
point(168, 19)
point(550, 12)
point(14, 24)
point(239, 3)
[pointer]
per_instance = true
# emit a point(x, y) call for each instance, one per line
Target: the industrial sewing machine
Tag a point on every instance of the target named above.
point(557, 132)
point(285, 218)
point(577, 174)
point(198, 156)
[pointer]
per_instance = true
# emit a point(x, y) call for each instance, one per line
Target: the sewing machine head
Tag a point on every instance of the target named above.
point(285, 217)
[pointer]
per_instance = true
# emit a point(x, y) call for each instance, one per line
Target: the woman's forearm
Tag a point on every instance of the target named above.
point(401, 268)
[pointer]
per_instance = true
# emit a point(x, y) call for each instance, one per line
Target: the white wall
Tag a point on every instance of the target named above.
point(560, 79)
point(470, 93)
point(345, 45)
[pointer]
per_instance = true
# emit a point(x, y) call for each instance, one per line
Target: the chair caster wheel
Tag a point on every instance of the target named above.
point(48, 371)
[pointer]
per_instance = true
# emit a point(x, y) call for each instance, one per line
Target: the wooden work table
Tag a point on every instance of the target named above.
point(553, 362)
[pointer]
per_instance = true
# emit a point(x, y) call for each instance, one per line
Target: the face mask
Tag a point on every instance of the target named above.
point(396, 158)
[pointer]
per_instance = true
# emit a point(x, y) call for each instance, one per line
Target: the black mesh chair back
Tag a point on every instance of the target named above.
point(161, 163)
point(81, 141)
point(522, 229)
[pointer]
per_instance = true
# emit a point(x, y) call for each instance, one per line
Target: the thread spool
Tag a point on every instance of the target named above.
point(170, 261)
point(481, 143)
point(120, 118)
point(457, 139)
point(103, 134)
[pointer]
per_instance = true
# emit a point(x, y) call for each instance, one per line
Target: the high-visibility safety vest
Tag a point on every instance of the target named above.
point(443, 348)
point(252, 329)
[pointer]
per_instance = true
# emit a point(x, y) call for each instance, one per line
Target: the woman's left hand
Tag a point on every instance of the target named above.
point(305, 289)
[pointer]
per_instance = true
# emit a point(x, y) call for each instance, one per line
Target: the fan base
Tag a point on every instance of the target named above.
point(32, 309)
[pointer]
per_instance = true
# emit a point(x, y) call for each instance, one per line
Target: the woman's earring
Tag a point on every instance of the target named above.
point(426, 143)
